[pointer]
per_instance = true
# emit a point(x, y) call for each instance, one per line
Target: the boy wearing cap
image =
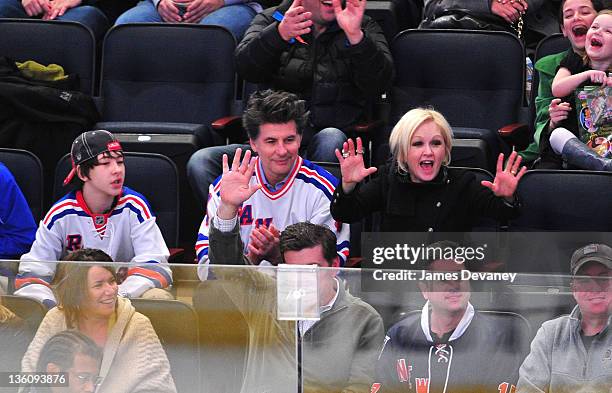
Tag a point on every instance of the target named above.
point(573, 353)
point(101, 214)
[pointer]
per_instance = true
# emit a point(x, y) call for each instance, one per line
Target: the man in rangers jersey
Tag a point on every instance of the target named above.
point(450, 347)
point(290, 188)
point(101, 214)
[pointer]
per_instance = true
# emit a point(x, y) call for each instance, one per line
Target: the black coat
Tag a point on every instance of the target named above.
point(450, 203)
point(335, 78)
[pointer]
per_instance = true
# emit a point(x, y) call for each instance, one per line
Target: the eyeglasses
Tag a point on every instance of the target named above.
point(83, 378)
point(602, 283)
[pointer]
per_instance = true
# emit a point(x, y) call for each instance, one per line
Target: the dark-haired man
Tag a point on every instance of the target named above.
point(449, 346)
point(573, 353)
point(328, 53)
point(289, 189)
point(337, 351)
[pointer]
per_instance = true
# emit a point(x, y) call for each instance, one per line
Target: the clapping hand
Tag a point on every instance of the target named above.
point(505, 182)
point(234, 187)
point(351, 165)
point(264, 244)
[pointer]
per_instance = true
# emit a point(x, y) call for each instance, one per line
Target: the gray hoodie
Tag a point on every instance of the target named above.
point(559, 362)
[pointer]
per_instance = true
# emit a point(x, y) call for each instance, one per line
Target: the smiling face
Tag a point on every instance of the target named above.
point(322, 11)
point(446, 296)
point(599, 39)
point(277, 146)
point(106, 177)
point(577, 18)
point(426, 152)
point(593, 291)
point(101, 293)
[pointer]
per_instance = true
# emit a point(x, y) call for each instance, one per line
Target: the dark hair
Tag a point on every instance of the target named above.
point(273, 107)
point(63, 347)
point(297, 237)
point(598, 5)
point(87, 166)
point(70, 282)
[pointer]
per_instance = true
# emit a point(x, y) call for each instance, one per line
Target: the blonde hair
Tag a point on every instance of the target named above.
point(402, 133)
point(585, 58)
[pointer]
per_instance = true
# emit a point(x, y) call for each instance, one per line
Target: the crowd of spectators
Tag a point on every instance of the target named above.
point(269, 204)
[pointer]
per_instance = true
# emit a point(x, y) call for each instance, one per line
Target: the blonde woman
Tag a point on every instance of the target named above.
point(417, 191)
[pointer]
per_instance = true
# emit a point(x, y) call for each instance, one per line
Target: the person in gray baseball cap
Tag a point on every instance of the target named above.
point(573, 353)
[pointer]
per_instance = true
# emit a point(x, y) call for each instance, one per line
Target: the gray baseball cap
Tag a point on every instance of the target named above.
point(599, 253)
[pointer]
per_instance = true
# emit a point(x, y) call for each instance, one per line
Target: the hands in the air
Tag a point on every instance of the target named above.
point(506, 180)
point(349, 19)
point(234, 186)
point(351, 165)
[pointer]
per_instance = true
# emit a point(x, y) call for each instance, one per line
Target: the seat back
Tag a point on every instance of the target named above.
point(564, 200)
point(68, 44)
point(163, 72)
point(153, 175)
point(474, 78)
point(28, 172)
point(30, 310)
point(224, 336)
point(176, 325)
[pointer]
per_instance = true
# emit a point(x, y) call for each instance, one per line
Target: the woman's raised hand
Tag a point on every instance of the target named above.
point(506, 180)
point(351, 164)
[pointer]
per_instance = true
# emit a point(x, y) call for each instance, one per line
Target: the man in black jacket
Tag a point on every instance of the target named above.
point(330, 54)
point(449, 346)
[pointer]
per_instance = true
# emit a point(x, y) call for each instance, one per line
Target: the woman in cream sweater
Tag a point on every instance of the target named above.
point(133, 358)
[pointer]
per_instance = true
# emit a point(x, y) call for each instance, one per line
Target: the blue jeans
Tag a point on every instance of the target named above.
point(204, 166)
point(87, 15)
point(236, 18)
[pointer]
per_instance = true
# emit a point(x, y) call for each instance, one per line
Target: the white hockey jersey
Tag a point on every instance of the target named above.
point(128, 233)
point(305, 196)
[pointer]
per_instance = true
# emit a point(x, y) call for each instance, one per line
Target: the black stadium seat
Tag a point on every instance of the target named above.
point(176, 325)
point(68, 44)
point(474, 78)
point(28, 172)
point(565, 200)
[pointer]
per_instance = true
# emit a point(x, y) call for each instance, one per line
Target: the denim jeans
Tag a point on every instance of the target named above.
point(204, 166)
point(87, 15)
point(236, 18)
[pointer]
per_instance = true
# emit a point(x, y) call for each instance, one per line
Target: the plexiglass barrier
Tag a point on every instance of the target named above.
point(308, 328)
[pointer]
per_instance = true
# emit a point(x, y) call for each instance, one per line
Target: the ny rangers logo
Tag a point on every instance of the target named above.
point(422, 385)
point(403, 372)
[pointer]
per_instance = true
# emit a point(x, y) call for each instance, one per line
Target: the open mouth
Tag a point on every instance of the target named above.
point(579, 31)
point(426, 164)
point(326, 3)
point(108, 301)
point(596, 43)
